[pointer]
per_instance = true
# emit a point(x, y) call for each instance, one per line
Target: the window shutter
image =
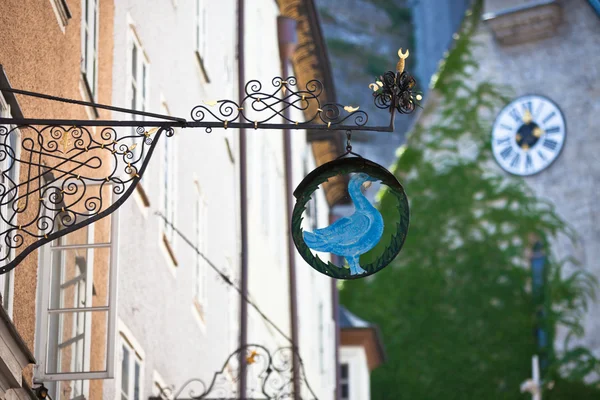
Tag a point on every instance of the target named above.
point(78, 289)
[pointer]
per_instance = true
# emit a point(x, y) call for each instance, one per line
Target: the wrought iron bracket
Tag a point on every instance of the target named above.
point(59, 175)
point(270, 377)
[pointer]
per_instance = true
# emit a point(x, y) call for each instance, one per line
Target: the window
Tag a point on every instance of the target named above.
point(345, 382)
point(9, 179)
point(89, 46)
point(321, 339)
point(200, 295)
point(77, 309)
point(138, 86)
point(169, 190)
point(159, 388)
point(130, 369)
point(201, 36)
point(63, 14)
point(311, 207)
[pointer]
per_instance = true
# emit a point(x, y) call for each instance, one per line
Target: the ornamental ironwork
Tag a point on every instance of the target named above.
point(59, 175)
point(270, 376)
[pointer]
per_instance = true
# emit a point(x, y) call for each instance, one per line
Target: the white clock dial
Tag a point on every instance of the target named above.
point(528, 135)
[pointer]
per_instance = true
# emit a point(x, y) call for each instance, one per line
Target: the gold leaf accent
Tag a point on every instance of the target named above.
point(211, 102)
point(400, 64)
point(419, 97)
point(351, 109)
point(151, 132)
point(251, 358)
point(283, 89)
point(132, 147)
point(373, 86)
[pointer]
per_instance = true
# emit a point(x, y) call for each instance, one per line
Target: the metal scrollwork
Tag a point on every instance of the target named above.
point(57, 175)
point(259, 106)
point(57, 179)
point(270, 377)
point(394, 90)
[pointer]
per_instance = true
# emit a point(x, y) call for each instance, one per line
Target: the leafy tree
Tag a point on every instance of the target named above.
point(455, 308)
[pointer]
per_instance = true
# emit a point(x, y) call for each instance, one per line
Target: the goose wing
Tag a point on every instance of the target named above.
point(346, 231)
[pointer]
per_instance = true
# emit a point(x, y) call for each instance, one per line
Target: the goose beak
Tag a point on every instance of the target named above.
point(367, 184)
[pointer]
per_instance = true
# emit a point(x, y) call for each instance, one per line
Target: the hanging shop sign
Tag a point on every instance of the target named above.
point(75, 172)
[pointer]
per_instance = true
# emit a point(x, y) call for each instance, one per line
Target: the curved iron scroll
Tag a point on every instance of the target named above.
point(57, 179)
point(260, 106)
point(270, 377)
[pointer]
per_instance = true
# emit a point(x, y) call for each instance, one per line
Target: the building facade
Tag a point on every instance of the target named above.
point(63, 49)
point(540, 47)
point(170, 312)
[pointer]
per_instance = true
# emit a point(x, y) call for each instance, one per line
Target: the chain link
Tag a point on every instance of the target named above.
point(348, 139)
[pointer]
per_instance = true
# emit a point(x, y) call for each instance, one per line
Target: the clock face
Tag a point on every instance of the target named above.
point(528, 135)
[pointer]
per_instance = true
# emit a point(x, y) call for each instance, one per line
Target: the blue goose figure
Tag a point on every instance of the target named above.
point(352, 236)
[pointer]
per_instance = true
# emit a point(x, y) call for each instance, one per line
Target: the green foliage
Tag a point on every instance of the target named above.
point(376, 64)
point(340, 47)
point(455, 307)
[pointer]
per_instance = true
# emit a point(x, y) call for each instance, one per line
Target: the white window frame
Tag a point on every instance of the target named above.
point(159, 388)
point(7, 283)
point(136, 353)
point(44, 282)
point(89, 47)
point(345, 381)
point(200, 288)
point(201, 31)
point(138, 86)
point(169, 183)
point(62, 12)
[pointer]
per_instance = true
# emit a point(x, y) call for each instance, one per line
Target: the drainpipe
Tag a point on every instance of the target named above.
point(243, 204)
point(286, 32)
point(335, 301)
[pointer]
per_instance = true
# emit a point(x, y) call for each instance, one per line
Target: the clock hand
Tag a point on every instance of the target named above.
point(527, 117)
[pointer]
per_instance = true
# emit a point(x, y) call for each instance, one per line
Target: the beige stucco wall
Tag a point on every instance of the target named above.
point(38, 56)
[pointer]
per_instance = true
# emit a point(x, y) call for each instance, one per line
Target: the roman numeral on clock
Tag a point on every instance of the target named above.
point(542, 156)
point(506, 152)
point(515, 160)
point(528, 106)
point(550, 144)
point(554, 129)
point(549, 117)
point(528, 162)
point(515, 114)
point(505, 140)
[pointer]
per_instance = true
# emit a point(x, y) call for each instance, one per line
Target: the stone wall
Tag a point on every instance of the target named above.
point(565, 67)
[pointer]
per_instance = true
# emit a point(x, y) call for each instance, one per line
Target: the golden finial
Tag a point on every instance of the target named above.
point(351, 109)
point(403, 56)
